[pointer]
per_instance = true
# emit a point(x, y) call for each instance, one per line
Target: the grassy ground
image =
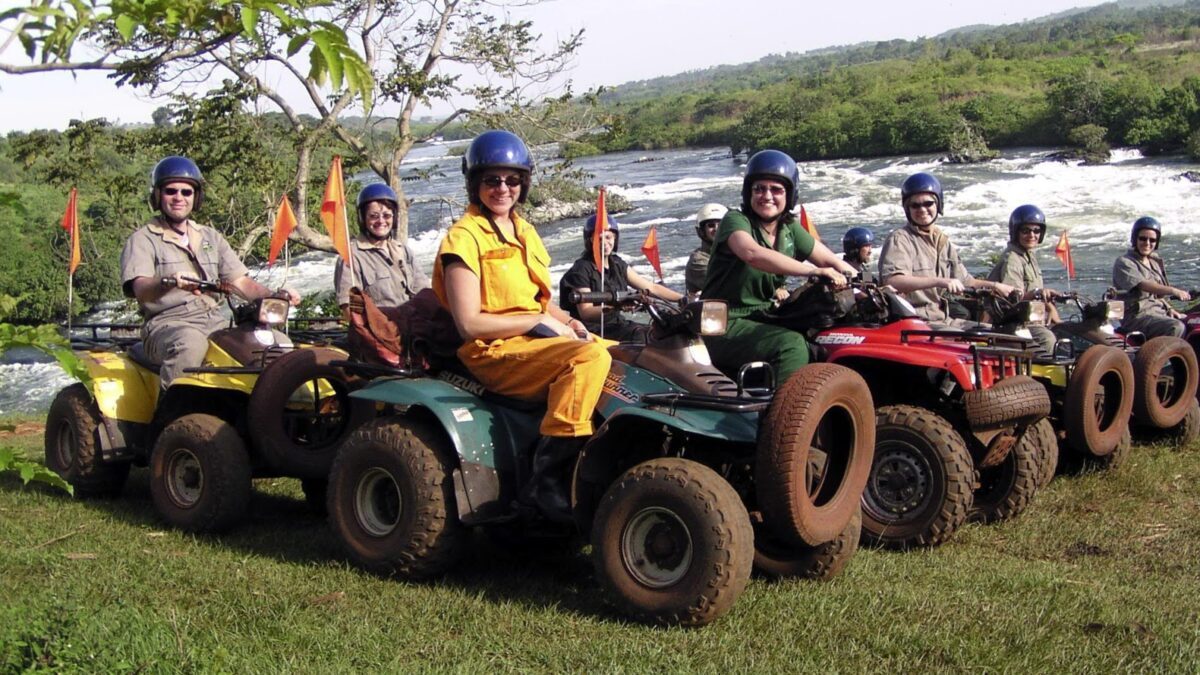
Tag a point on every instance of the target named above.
point(1100, 575)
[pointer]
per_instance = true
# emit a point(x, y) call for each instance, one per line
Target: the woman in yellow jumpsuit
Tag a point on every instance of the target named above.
point(492, 274)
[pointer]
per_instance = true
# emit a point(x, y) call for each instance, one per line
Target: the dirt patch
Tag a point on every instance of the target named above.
point(24, 429)
point(1080, 549)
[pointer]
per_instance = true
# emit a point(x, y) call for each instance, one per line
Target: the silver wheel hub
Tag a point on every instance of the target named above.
point(656, 547)
point(377, 503)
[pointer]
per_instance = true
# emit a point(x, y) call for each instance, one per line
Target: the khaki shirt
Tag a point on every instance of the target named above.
point(697, 267)
point(387, 272)
point(868, 275)
point(1130, 270)
point(1018, 268)
point(907, 251)
point(155, 250)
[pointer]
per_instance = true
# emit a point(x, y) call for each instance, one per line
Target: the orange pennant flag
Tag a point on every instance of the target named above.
point(650, 250)
point(285, 222)
point(70, 223)
point(1062, 251)
point(333, 210)
point(601, 228)
point(807, 224)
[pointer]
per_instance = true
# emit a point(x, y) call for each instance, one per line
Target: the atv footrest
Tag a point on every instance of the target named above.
point(675, 399)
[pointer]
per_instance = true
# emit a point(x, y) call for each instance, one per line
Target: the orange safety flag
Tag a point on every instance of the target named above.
point(333, 210)
point(1062, 250)
point(70, 223)
point(598, 234)
point(650, 250)
point(285, 222)
point(807, 224)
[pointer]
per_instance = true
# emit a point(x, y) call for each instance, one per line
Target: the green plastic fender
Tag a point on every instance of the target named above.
point(479, 430)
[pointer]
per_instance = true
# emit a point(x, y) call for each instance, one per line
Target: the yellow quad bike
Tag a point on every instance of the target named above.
point(258, 406)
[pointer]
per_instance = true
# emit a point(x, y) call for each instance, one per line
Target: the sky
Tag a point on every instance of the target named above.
point(624, 40)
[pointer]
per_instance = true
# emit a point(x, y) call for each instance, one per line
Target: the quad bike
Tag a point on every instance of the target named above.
point(1165, 369)
point(690, 480)
point(959, 423)
point(258, 406)
point(1091, 393)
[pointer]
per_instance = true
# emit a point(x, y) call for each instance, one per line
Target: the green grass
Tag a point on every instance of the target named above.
point(1100, 575)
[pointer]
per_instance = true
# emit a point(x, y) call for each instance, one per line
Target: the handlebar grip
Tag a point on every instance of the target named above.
point(599, 297)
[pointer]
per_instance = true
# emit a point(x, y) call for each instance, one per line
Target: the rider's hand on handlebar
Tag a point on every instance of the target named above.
point(184, 283)
point(953, 285)
point(835, 277)
point(1002, 290)
point(1182, 294)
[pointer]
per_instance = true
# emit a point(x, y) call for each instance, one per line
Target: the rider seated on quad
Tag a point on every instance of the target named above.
point(1141, 278)
point(856, 248)
point(708, 218)
point(1018, 267)
point(492, 275)
point(179, 318)
point(386, 269)
point(756, 248)
point(584, 276)
point(919, 260)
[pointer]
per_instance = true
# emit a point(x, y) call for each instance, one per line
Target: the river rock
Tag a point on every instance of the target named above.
point(1193, 176)
point(553, 210)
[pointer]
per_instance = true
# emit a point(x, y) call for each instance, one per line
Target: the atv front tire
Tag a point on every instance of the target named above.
point(200, 474)
point(1098, 401)
point(1165, 376)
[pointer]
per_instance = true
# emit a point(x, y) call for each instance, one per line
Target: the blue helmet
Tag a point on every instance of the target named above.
point(175, 169)
point(1026, 214)
point(589, 230)
point(856, 238)
point(1145, 223)
point(376, 192)
point(775, 165)
point(496, 149)
point(922, 182)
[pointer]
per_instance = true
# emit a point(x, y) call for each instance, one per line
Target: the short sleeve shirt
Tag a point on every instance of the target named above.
point(514, 276)
point(907, 251)
point(583, 274)
point(1018, 268)
point(156, 250)
point(745, 288)
point(1130, 270)
point(387, 272)
point(697, 267)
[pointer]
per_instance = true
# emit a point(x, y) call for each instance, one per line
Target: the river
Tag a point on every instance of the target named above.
point(1096, 204)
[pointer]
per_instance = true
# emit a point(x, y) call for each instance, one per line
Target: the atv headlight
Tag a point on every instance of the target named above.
point(1116, 310)
point(273, 311)
point(713, 318)
point(1037, 313)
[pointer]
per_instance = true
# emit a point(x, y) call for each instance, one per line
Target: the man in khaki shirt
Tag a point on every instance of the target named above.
point(180, 318)
point(1018, 267)
point(386, 269)
point(919, 260)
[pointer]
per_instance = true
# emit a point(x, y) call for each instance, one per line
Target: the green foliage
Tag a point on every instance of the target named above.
point(577, 149)
point(29, 471)
point(321, 304)
point(1193, 144)
point(1089, 139)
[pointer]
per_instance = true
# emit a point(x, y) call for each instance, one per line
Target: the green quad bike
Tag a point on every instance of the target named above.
point(689, 481)
point(259, 406)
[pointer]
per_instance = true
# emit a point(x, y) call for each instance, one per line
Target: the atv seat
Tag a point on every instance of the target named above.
point(137, 354)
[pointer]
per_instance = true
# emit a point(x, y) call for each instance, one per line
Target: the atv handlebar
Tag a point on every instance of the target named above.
point(203, 284)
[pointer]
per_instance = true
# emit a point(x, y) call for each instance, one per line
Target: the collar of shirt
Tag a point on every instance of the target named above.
point(169, 234)
point(519, 224)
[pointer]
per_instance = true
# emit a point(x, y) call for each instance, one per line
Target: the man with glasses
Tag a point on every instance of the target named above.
point(1141, 278)
point(179, 317)
point(1018, 267)
point(919, 260)
point(707, 220)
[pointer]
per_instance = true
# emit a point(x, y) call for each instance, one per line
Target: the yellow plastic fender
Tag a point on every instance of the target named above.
point(216, 357)
point(1054, 374)
point(123, 389)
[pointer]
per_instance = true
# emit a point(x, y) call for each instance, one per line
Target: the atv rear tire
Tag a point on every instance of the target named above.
point(1099, 401)
point(1019, 399)
point(920, 487)
point(200, 474)
point(72, 445)
point(776, 560)
point(826, 407)
point(1006, 490)
point(1047, 451)
point(296, 432)
point(672, 543)
point(1165, 374)
point(391, 499)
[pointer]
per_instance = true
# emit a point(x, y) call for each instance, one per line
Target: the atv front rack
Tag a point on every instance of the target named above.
point(983, 345)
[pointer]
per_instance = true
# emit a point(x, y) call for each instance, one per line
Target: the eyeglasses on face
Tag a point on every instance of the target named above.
point(763, 188)
point(380, 215)
point(710, 223)
point(1148, 240)
point(1030, 230)
point(171, 192)
point(496, 181)
point(922, 205)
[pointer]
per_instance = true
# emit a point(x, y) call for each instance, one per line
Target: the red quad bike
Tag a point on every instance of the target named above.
point(957, 414)
point(1165, 370)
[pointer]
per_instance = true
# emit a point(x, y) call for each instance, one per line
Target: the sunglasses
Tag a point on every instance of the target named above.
point(710, 223)
point(171, 192)
point(1030, 230)
point(922, 205)
point(775, 190)
point(496, 181)
point(1148, 240)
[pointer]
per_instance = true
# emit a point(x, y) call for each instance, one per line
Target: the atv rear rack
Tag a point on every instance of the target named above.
point(676, 399)
point(998, 346)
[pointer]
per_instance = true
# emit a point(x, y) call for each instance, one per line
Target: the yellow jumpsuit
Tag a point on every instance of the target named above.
point(514, 278)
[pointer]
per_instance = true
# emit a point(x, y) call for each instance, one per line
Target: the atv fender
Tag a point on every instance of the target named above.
point(124, 391)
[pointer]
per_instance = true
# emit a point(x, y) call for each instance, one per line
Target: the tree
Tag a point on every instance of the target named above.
point(387, 56)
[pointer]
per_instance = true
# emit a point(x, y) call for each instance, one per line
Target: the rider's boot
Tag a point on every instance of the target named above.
point(549, 485)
